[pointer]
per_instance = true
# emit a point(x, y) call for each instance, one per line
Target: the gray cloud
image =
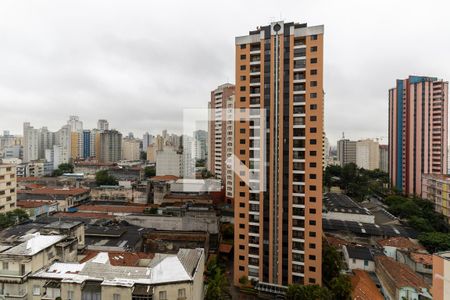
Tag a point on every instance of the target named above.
point(139, 63)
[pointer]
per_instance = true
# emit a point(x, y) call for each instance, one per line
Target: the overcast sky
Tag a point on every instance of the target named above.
point(139, 63)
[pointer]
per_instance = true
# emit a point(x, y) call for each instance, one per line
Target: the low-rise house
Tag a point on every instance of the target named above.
point(31, 255)
point(73, 229)
point(399, 281)
point(421, 263)
point(359, 258)
point(160, 187)
point(162, 277)
point(441, 275)
point(66, 197)
point(392, 245)
point(36, 208)
point(363, 287)
point(114, 210)
point(119, 194)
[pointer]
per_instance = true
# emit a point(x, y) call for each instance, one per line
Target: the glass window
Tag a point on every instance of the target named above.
point(116, 297)
point(181, 293)
point(162, 295)
point(36, 290)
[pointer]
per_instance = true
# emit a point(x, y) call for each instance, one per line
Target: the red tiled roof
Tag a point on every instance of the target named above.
point(33, 186)
point(225, 248)
point(33, 203)
point(117, 258)
point(84, 215)
point(54, 191)
point(363, 286)
point(422, 258)
point(20, 179)
point(164, 178)
point(336, 242)
point(111, 208)
point(401, 242)
point(401, 275)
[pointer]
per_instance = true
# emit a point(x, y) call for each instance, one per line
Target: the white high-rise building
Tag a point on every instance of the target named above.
point(63, 139)
point(75, 124)
point(102, 125)
point(30, 143)
point(229, 146)
point(147, 140)
point(200, 144)
point(131, 149)
point(168, 162)
point(188, 162)
point(368, 154)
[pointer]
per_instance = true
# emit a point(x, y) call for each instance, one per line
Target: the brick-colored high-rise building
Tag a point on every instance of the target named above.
point(418, 128)
point(278, 193)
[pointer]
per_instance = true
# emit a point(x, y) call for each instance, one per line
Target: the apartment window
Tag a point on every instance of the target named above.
point(242, 99)
point(241, 194)
point(70, 295)
point(243, 56)
point(366, 263)
point(242, 130)
point(314, 49)
point(116, 296)
point(312, 269)
point(313, 95)
point(312, 246)
point(242, 88)
point(241, 183)
point(313, 153)
point(312, 176)
point(313, 106)
point(5, 265)
point(313, 130)
point(241, 215)
point(314, 37)
point(312, 199)
point(312, 211)
point(241, 247)
point(181, 293)
point(243, 67)
point(242, 204)
point(242, 237)
point(312, 280)
point(313, 118)
point(242, 226)
point(312, 165)
point(243, 46)
point(312, 234)
point(313, 83)
point(312, 188)
point(313, 72)
point(242, 141)
point(312, 257)
point(312, 222)
point(242, 77)
point(36, 290)
point(241, 268)
point(163, 295)
point(314, 60)
point(313, 141)
point(241, 257)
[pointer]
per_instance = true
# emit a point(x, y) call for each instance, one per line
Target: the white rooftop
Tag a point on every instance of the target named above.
point(35, 243)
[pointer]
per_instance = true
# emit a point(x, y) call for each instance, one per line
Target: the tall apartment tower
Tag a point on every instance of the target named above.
point(368, 154)
point(418, 128)
point(30, 143)
point(346, 151)
point(110, 146)
point(217, 129)
point(278, 140)
point(102, 125)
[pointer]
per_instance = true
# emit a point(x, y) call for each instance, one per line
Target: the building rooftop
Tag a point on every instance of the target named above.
point(65, 224)
point(33, 244)
point(121, 258)
point(362, 253)
point(34, 203)
point(160, 270)
point(343, 204)
point(422, 258)
point(55, 191)
point(400, 274)
point(363, 287)
point(112, 208)
point(401, 243)
point(164, 178)
point(83, 215)
point(367, 229)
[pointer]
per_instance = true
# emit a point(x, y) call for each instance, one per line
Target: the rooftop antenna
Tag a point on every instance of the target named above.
point(343, 135)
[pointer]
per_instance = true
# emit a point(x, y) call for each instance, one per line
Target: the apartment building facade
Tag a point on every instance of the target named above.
point(110, 145)
point(346, 151)
point(436, 188)
point(8, 188)
point(418, 129)
point(278, 141)
point(368, 154)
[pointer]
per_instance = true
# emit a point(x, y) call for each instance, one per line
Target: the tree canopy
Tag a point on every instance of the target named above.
point(13, 217)
point(103, 178)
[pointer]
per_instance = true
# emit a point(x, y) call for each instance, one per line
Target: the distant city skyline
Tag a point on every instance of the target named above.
point(140, 78)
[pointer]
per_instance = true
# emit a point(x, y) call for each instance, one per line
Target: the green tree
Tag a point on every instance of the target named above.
point(331, 262)
point(103, 178)
point(14, 217)
point(308, 292)
point(149, 171)
point(217, 286)
point(341, 287)
point(435, 241)
point(143, 155)
point(63, 168)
